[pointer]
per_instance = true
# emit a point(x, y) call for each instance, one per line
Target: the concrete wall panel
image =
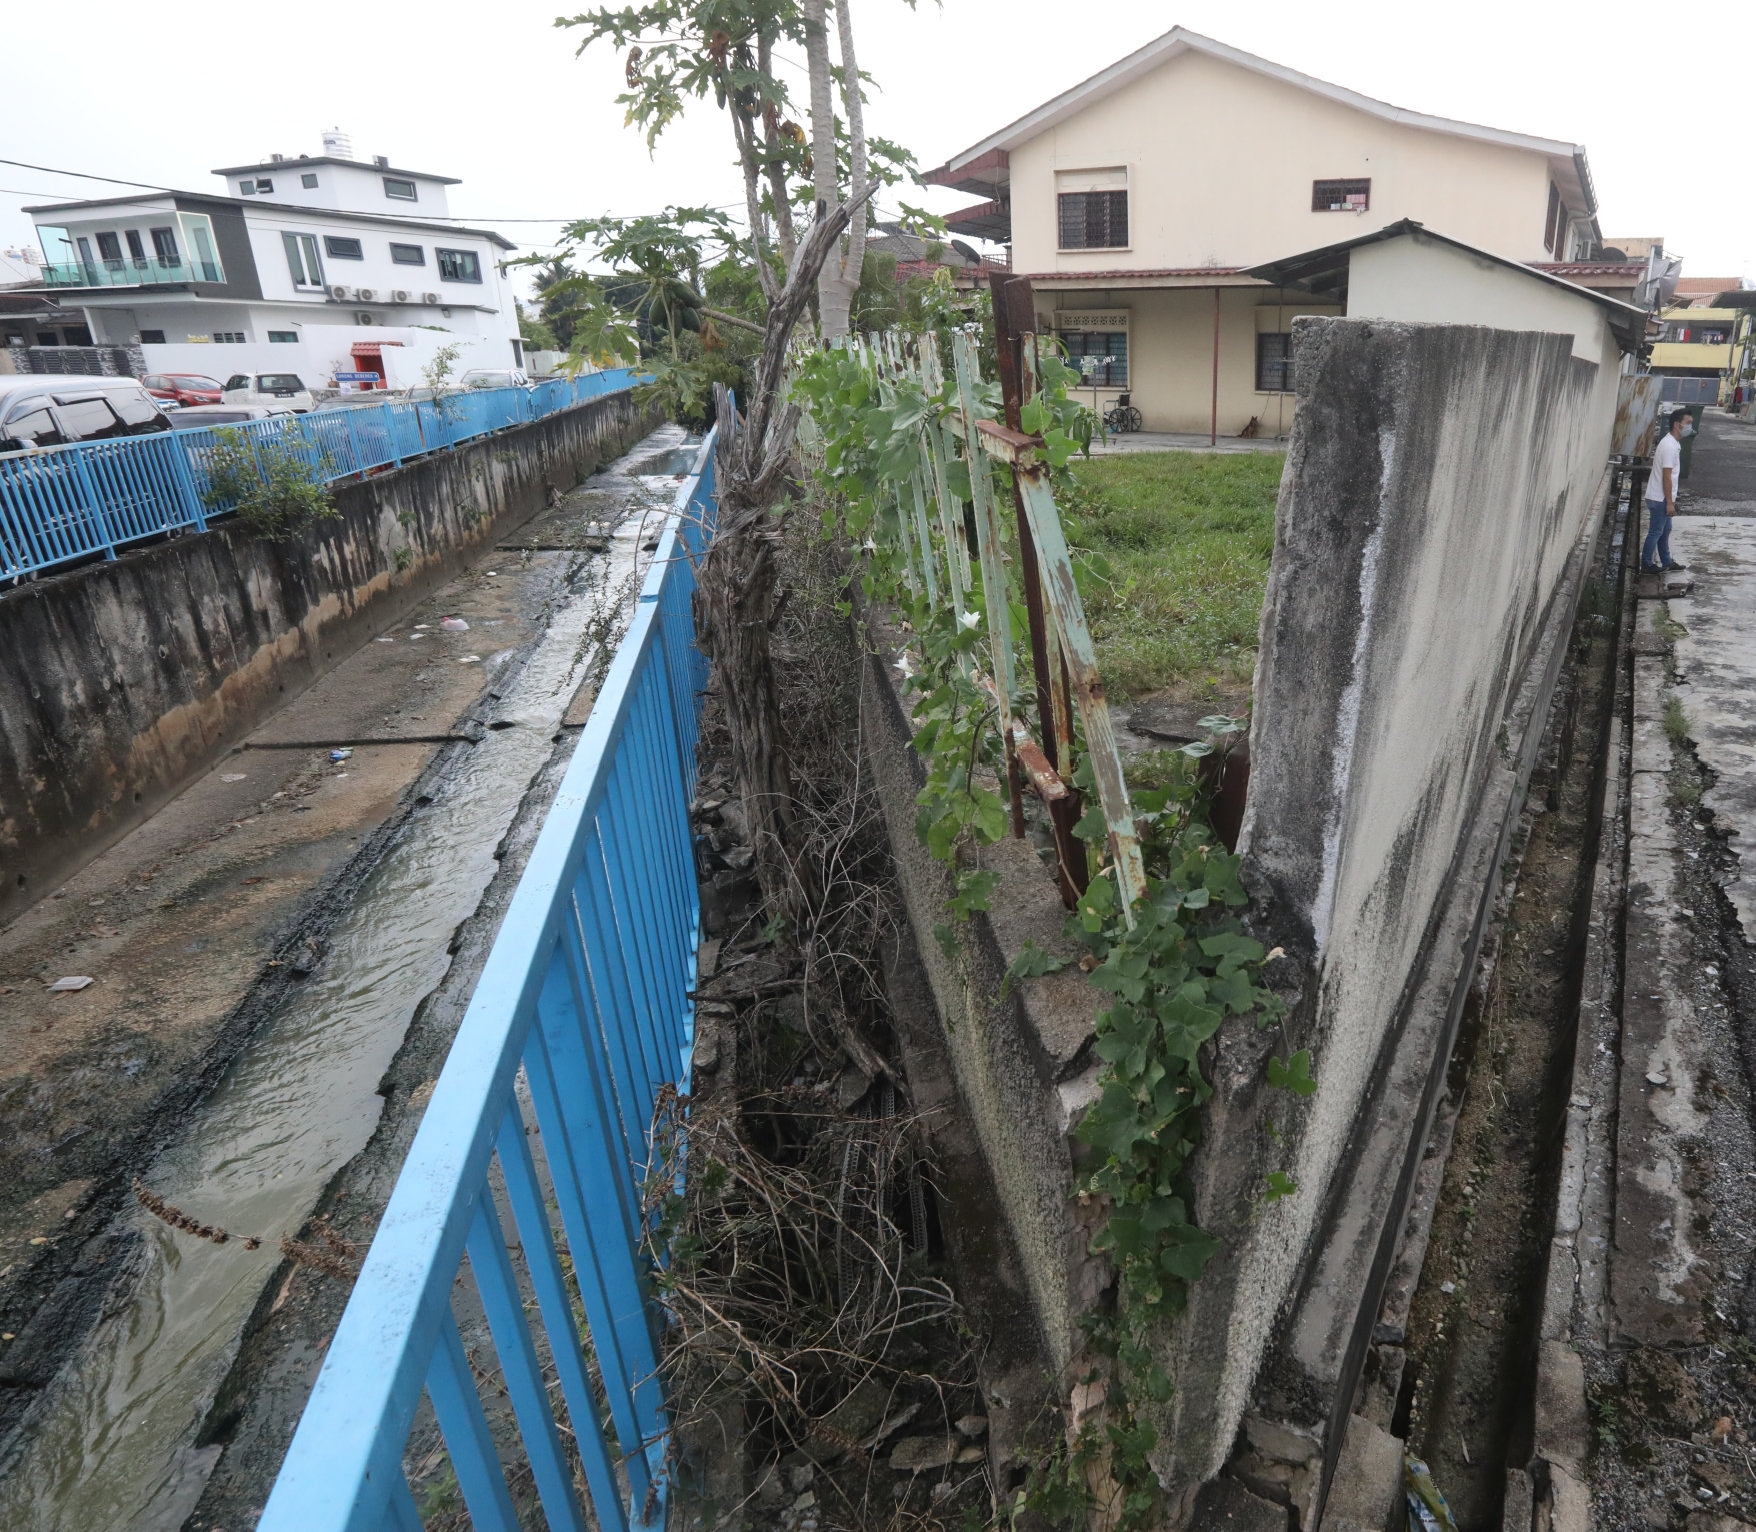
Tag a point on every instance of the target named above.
point(120, 681)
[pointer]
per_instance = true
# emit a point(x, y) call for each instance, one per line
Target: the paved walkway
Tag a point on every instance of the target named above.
point(1184, 441)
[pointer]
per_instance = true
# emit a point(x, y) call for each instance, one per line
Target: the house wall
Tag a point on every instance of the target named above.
point(322, 350)
point(1428, 281)
point(1221, 161)
point(359, 187)
point(1171, 347)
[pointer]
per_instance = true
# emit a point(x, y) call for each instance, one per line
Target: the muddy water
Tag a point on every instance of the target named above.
point(109, 1448)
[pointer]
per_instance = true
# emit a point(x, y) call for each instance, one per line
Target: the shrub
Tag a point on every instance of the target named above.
point(275, 492)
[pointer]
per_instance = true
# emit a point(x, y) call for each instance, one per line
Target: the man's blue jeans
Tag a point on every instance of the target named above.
point(1658, 537)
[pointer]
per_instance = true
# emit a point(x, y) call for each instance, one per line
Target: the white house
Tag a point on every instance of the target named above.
point(316, 264)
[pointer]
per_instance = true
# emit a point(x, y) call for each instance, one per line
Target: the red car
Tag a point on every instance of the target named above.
point(174, 388)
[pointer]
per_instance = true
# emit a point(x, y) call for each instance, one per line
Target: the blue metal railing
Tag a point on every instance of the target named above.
point(65, 503)
point(586, 990)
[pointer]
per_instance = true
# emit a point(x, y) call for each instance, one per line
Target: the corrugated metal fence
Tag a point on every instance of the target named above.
point(577, 1037)
point(62, 504)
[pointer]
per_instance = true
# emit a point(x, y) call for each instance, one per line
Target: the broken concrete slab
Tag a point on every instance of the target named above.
point(1366, 1487)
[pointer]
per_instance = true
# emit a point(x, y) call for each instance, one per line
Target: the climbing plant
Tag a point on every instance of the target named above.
point(1175, 962)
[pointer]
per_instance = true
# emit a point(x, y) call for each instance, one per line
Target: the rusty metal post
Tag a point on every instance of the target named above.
point(1014, 318)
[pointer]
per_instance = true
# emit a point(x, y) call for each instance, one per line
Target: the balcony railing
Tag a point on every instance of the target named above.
point(131, 273)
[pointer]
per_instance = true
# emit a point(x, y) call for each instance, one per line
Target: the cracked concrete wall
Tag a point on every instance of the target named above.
point(1437, 489)
point(121, 681)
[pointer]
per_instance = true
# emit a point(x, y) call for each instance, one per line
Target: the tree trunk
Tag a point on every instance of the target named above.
point(840, 282)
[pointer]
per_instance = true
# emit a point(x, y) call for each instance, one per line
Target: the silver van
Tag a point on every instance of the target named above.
point(38, 410)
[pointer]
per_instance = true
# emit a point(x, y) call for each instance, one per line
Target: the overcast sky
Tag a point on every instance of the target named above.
point(492, 94)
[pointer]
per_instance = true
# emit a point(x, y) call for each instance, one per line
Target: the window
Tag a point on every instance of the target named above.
point(228, 337)
point(408, 255)
point(264, 188)
point(402, 191)
point(1341, 196)
point(35, 426)
point(137, 410)
point(284, 337)
point(1093, 220)
point(88, 419)
point(1274, 363)
point(237, 380)
point(341, 249)
point(110, 249)
point(458, 265)
point(302, 259)
point(152, 337)
point(136, 250)
point(246, 188)
point(309, 180)
point(164, 244)
point(279, 383)
point(1101, 355)
point(1556, 226)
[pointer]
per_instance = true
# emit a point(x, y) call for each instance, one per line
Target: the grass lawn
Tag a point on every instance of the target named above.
point(1188, 537)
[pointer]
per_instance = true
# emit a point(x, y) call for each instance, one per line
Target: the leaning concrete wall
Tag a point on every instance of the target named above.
point(1438, 492)
point(119, 681)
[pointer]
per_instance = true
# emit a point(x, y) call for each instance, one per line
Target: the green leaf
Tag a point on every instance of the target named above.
point(1032, 962)
point(948, 942)
point(973, 888)
point(1280, 1184)
point(1294, 1075)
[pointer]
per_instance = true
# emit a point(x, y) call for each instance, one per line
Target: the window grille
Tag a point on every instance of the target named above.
point(1094, 220)
point(1274, 363)
point(1100, 355)
point(1341, 196)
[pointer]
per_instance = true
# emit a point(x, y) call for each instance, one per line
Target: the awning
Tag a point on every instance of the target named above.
point(991, 221)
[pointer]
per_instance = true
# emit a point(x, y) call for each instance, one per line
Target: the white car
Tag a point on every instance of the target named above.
point(494, 377)
point(195, 415)
point(281, 391)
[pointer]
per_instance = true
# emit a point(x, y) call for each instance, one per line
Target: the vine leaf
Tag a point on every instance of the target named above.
point(1294, 1075)
point(1280, 1184)
point(1031, 963)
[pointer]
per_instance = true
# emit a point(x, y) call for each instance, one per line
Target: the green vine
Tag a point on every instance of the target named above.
point(1173, 973)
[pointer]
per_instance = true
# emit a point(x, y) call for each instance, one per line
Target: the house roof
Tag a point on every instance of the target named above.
point(1632, 270)
point(209, 199)
point(300, 161)
point(981, 161)
point(1325, 271)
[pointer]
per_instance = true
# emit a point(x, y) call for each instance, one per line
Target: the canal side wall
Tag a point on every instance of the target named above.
point(121, 681)
point(1441, 492)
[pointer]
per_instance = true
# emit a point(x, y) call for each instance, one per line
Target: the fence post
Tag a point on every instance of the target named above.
point(94, 502)
point(353, 443)
point(185, 477)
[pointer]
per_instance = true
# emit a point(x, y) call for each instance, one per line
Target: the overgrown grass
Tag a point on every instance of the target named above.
point(1676, 722)
point(1187, 536)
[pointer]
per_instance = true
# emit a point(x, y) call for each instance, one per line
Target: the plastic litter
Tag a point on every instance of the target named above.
point(469, 659)
point(340, 755)
point(1427, 1510)
point(234, 776)
point(71, 982)
point(454, 624)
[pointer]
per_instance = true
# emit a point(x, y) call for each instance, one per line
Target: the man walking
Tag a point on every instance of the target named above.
point(1661, 496)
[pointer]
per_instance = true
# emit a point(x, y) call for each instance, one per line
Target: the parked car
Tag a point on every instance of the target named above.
point(285, 390)
point(38, 410)
point(494, 377)
point(369, 400)
point(176, 388)
point(197, 415)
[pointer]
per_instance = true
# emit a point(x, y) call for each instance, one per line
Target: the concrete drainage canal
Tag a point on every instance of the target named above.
point(112, 1438)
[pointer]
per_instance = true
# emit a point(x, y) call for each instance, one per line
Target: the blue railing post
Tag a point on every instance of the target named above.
point(185, 477)
point(94, 502)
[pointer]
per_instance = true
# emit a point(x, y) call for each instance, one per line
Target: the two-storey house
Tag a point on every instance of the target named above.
point(1138, 201)
point(315, 265)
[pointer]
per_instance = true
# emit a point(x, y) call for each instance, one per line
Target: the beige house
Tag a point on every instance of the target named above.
point(1138, 202)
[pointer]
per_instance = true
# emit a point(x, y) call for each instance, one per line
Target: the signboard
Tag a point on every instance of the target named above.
point(356, 377)
point(1091, 319)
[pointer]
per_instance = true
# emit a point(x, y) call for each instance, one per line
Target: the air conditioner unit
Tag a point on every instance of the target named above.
point(400, 295)
point(366, 295)
point(340, 293)
point(429, 297)
point(364, 319)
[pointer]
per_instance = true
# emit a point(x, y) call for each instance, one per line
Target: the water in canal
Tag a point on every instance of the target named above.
point(110, 1446)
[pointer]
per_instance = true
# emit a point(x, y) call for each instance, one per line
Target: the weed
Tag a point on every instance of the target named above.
point(1676, 724)
point(275, 491)
point(1686, 793)
point(403, 559)
point(1188, 537)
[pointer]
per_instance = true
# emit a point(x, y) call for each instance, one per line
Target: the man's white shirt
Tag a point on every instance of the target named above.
point(1668, 454)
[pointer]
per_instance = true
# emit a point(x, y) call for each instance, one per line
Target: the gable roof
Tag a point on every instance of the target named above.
point(1179, 40)
point(1324, 272)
